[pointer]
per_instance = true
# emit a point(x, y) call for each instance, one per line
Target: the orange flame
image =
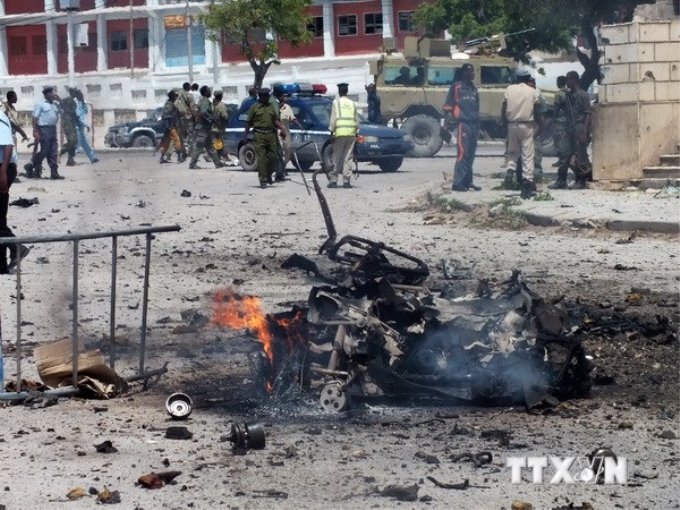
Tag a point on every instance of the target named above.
point(236, 312)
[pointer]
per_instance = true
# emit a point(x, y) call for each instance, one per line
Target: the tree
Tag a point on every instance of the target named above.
point(556, 24)
point(256, 25)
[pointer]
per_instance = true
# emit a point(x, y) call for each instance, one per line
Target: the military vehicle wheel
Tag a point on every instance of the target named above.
point(390, 164)
point(247, 157)
point(143, 142)
point(424, 132)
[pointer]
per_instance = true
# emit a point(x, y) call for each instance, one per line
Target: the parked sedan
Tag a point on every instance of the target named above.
point(380, 145)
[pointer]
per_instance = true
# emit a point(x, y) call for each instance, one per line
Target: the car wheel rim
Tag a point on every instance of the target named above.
point(421, 136)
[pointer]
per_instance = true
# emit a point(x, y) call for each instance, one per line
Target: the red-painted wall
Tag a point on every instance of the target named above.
point(360, 43)
point(85, 56)
point(313, 49)
point(24, 6)
point(121, 59)
point(27, 48)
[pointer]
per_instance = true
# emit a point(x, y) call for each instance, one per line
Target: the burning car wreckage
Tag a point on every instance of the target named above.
point(377, 331)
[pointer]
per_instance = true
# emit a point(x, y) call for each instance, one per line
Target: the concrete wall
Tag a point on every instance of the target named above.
point(660, 10)
point(638, 117)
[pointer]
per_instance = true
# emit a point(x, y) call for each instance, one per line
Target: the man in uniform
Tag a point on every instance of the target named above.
point(45, 117)
point(221, 121)
point(170, 116)
point(287, 117)
point(462, 108)
point(374, 113)
point(344, 125)
point(204, 122)
point(264, 120)
point(581, 124)
point(69, 126)
point(8, 172)
point(187, 107)
point(520, 113)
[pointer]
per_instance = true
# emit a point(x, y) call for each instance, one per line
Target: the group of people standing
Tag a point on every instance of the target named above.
point(523, 117)
point(72, 113)
point(194, 119)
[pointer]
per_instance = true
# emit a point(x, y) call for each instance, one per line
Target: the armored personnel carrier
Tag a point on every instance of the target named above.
point(413, 88)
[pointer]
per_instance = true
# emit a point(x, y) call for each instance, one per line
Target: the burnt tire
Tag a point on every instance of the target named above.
point(390, 164)
point(247, 157)
point(425, 135)
point(143, 142)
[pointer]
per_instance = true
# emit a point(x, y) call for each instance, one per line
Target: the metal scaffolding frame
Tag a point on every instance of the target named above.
point(75, 239)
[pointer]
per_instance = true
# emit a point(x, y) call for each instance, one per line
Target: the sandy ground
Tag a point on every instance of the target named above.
point(236, 235)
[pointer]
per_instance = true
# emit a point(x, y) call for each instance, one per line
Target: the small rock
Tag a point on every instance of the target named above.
point(668, 434)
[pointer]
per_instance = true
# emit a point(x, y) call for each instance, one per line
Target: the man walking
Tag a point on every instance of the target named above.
point(287, 118)
point(69, 123)
point(187, 108)
point(170, 118)
point(560, 134)
point(462, 106)
point(8, 172)
point(264, 120)
point(521, 110)
point(344, 125)
point(81, 111)
point(205, 119)
point(45, 117)
point(10, 110)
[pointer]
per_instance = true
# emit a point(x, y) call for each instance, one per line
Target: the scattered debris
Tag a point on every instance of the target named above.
point(185, 193)
point(158, 480)
point(456, 486)
point(179, 406)
point(521, 505)
point(668, 434)
point(178, 433)
point(106, 447)
point(479, 459)
point(108, 497)
point(76, 493)
point(25, 202)
point(247, 436)
point(401, 492)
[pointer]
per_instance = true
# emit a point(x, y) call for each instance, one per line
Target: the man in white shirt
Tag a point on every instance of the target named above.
point(8, 172)
point(520, 112)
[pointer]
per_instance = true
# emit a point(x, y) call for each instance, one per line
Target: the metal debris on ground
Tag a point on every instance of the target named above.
point(455, 486)
point(246, 436)
point(401, 492)
point(178, 433)
point(179, 406)
point(106, 447)
point(158, 480)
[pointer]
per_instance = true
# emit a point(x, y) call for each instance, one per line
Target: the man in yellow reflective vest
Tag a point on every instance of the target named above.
point(344, 125)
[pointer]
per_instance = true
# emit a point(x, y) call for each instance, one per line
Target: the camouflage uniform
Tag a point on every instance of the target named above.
point(221, 120)
point(170, 117)
point(187, 107)
point(202, 129)
point(560, 126)
point(69, 123)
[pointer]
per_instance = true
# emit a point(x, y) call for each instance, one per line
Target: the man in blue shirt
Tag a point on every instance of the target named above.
point(45, 118)
point(82, 125)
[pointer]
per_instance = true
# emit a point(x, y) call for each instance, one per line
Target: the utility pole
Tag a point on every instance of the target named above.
point(70, 49)
point(132, 43)
point(190, 50)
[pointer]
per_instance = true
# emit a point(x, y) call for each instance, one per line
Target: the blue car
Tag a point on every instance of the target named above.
point(380, 145)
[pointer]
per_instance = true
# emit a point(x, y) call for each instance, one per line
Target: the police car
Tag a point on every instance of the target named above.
point(380, 145)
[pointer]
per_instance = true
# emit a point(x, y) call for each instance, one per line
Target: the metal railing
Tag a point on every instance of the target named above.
point(75, 239)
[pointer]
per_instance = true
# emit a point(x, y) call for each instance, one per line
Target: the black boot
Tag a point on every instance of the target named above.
point(54, 174)
point(527, 190)
point(558, 184)
point(29, 170)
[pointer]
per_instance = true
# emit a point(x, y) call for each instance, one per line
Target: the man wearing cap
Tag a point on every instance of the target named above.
point(462, 109)
point(45, 117)
point(344, 125)
point(264, 121)
point(205, 118)
point(520, 113)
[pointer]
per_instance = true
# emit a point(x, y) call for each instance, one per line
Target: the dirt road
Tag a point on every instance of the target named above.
point(236, 235)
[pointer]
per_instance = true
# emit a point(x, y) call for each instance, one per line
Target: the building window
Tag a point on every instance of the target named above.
point(39, 45)
point(18, 46)
point(141, 38)
point(347, 25)
point(119, 40)
point(373, 23)
point(315, 27)
point(406, 21)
